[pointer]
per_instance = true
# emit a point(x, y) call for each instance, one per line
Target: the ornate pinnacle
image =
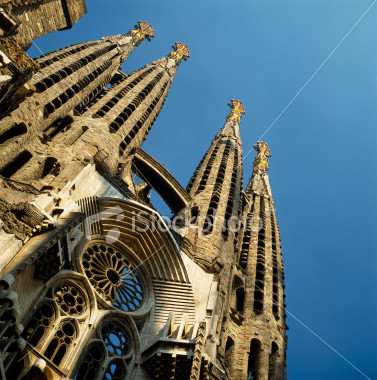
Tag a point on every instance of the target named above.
point(180, 52)
point(236, 112)
point(141, 31)
point(261, 160)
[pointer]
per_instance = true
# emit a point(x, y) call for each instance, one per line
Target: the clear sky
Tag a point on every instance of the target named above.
point(323, 165)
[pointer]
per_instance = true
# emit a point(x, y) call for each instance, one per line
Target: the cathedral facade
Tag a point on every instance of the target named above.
point(94, 284)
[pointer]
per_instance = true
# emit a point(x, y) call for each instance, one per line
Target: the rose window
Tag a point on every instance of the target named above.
point(70, 300)
point(113, 276)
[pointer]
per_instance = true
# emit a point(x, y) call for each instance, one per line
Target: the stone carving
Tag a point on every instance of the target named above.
point(180, 52)
point(237, 109)
point(21, 219)
point(141, 31)
point(261, 160)
point(19, 58)
point(200, 342)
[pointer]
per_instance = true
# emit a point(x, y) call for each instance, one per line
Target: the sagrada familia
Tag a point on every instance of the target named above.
point(94, 284)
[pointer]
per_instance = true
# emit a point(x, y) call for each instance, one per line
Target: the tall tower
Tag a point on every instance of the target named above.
point(216, 189)
point(257, 348)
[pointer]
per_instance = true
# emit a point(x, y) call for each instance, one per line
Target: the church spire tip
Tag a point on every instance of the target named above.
point(180, 52)
point(237, 110)
point(142, 30)
point(261, 160)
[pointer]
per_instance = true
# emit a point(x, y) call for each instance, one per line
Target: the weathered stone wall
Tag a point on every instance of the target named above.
point(42, 17)
point(76, 9)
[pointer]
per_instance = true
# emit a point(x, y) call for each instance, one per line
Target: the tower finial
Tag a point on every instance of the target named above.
point(142, 30)
point(180, 52)
point(261, 160)
point(237, 109)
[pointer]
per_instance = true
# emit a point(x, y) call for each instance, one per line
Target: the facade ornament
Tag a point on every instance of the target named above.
point(141, 31)
point(261, 160)
point(180, 52)
point(237, 109)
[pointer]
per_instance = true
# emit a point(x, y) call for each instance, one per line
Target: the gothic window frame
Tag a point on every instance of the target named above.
point(120, 320)
point(60, 335)
point(79, 321)
point(49, 328)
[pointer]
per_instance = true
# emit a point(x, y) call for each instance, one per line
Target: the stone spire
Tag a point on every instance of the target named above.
point(180, 53)
point(68, 80)
point(216, 189)
point(262, 272)
point(133, 38)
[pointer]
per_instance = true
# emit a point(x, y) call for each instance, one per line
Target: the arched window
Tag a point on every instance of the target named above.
point(194, 215)
point(229, 351)
point(39, 324)
point(69, 298)
point(240, 298)
point(52, 329)
point(16, 164)
point(16, 130)
point(49, 165)
point(116, 339)
point(106, 354)
point(115, 371)
point(253, 366)
point(91, 363)
point(61, 342)
point(238, 294)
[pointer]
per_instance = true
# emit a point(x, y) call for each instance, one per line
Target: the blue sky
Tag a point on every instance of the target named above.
point(323, 165)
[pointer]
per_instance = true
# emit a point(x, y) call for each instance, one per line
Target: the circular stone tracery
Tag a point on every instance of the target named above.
point(69, 299)
point(113, 276)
